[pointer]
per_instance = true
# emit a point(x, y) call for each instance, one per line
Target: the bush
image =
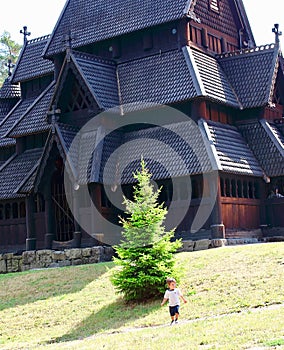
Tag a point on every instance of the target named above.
point(146, 255)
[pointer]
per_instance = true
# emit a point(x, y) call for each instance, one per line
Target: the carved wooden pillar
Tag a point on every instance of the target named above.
point(49, 219)
point(217, 226)
point(96, 215)
point(30, 225)
point(77, 235)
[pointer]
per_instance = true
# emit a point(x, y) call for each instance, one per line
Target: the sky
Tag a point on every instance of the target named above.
point(40, 16)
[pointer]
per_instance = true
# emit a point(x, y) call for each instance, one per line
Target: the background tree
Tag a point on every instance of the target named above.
point(146, 255)
point(9, 50)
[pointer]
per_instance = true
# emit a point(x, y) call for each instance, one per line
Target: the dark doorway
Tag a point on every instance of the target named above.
point(64, 221)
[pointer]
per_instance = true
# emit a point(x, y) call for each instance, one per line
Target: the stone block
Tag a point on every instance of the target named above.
point(13, 265)
point(75, 253)
point(94, 259)
point(3, 266)
point(43, 257)
point(64, 263)
point(8, 256)
point(218, 242)
point(76, 262)
point(29, 257)
point(86, 252)
point(108, 253)
point(187, 246)
point(201, 244)
point(53, 265)
point(97, 251)
point(58, 255)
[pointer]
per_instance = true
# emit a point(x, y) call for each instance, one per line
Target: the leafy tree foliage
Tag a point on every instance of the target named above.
point(146, 255)
point(9, 50)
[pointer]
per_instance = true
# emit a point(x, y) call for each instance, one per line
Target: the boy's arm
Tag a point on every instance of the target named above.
point(164, 301)
point(182, 297)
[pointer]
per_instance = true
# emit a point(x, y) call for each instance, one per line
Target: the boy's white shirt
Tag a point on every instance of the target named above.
point(173, 296)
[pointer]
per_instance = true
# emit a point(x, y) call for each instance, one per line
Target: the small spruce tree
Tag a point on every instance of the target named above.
point(146, 254)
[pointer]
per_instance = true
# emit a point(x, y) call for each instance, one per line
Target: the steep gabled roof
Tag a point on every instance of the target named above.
point(13, 116)
point(252, 73)
point(212, 80)
point(232, 152)
point(9, 90)
point(33, 119)
point(161, 79)
point(31, 64)
point(15, 171)
point(270, 151)
point(100, 75)
point(91, 21)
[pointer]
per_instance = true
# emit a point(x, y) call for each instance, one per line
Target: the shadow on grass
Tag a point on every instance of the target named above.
point(28, 287)
point(109, 319)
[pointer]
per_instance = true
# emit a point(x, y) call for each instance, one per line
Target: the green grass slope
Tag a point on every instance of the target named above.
point(235, 301)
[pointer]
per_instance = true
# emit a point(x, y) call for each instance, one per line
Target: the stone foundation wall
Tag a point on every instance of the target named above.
point(40, 259)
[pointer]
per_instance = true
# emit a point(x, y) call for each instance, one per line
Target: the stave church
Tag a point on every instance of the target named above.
point(179, 83)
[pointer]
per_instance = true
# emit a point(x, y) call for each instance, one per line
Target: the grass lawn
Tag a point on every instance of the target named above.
point(235, 301)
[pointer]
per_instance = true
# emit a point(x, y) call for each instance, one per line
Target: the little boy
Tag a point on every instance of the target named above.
point(172, 295)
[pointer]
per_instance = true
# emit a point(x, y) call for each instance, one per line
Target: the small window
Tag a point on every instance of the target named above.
point(22, 209)
point(214, 5)
point(7, 211)
point(15, 210)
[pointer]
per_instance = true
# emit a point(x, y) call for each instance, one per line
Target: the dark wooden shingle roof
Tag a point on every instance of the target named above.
point(9, 90)
point(14, 172)
point(252, 74)
point(100, 75)
point(233, 153)
point(90, 21)
point(31, 64)
point(12, 117)
point(34, 118)
point(267, 148)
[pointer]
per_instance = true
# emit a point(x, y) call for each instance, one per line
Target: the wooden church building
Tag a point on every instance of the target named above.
point(180, 83)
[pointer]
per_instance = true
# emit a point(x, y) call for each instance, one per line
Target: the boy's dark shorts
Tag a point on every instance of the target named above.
point(174, 310)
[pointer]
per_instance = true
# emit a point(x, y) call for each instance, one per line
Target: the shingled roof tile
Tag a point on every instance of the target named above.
point(34, 118)
point(269, 152)
point(163, 78)
point(31, 64)
point(100, 76)
point(233, 153)
point(93, 21)
point(252, 74)
point(9, 90)
point(170, 151)
point(14, 115)
point(14, 172)
point(214, 81)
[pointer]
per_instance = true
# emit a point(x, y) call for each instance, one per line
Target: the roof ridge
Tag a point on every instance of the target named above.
point(36, 40)
point(94, 57)
point(257, 49)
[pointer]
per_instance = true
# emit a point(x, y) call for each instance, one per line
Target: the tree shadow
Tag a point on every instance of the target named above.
point(32, 286)
point(109, 318)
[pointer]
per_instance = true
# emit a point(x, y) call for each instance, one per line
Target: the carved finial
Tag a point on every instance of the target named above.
point(10, 65)
point(25, 33)
point(53, 117)
point(277, 33)
point(68, 44)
